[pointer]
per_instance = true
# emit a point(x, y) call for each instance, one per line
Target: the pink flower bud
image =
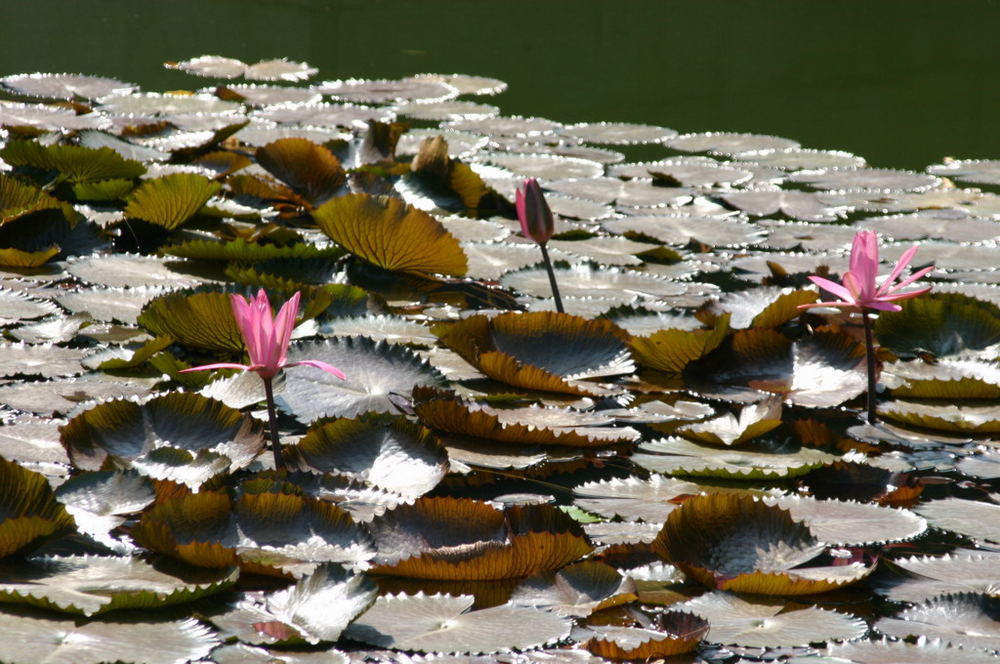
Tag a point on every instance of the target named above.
point(534, 213)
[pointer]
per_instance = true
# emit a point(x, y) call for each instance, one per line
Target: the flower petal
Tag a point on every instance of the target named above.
point(897, 269)
point(329, 368)
point(864, 263)
point(218, 365)
point(910, 279)
point(832, 287)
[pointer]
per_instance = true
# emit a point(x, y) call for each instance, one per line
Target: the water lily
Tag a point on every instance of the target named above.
point(860, 289)
point(537, 224)
point(267, 337)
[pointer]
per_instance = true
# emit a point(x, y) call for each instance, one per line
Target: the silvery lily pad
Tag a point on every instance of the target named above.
point(582, 280)
point(676, 456)
point(545, 167)
point(684, 172)
point(43, 360)
point(213, 66)
point(728, 143)
point(505, 126)
point(387, 91)
point(446, 110)
point(624, 193)
point(128, 270)
point(978, 171)
point(795, 159)
point(155, 103)
point(947, 224)
point(617, 133)
point(975, 519)
point(796, 204)
point(865, 178)
point(962, 621)
point(269, 95)
point(324, 115)
point(51, 118)
point(928, 577)
point(64, 86)
point(468, 85)
point(681, 229)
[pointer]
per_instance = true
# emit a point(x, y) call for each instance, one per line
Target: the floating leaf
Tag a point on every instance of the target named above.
point(89, 585)
point(199, 320)
point(754, 420)
point(171, 200)
point(43, 360)
point(943, 417)
point(310, 169)
point(633, 499)
point(518, 349)
point(389, 452)
point(128, 271)
point(728, 142)
point(678, 632)
point(442, 623)
point(942, 323)
point(617, 133)
point(185, 438)
point(64, 86)
point(680, 229)
point(962, 621)
point(576, 590)
point(899, 652)
point(29, 510)
point(462, 539)
point(374, 371)
point(927, 577)
point(865, 178)
point(31, 636)
point(975, 519)
point(676, 456)
point(852, 524)
point(386, 91)
point(767, 624)
point(672, 350)
point(317, 608)
point(445, 412)
point(737, 542)
point(75, 162)
point(391, 234)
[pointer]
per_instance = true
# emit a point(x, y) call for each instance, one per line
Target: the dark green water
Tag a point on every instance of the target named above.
point(901, 82)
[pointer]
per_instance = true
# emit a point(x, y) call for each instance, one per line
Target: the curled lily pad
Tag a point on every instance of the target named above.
point(754, 420)
point(576, 590)
point(32, 636)
point(738, 542)
point(374, 371)
point(414, 622)
point(99, 501)
point(671, 350)
point(182, 437)
point(74, 162)
point(445, 412)
point(391, 235)
point(386, 451)
point(316, 609)
point(517, 349)
point(942, 323)
point(171, 200)
point(310, 169)
point(943, 417)
point(30, 512)
point(90, 585)
point(674, 633)
point(198, 320)
point(463, 539)
point(765, 623)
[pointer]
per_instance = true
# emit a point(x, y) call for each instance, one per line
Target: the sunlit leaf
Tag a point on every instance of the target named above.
point(926, 577)
point(374, 371)
point(75, 162)
point(463, 539)
point(728, 142)
point(317, 608)
point(198, 320)
point(764, 623)
point(674, 633)
point(576, 590)
point(634, 499)
point(900, 652)
point(171, 200)
point(672, 350)
point(43, 360)
point(676, 456)
point(975, 519)
point(29, 512)
point(250, 252)
point(754, 420)
point(181, 437)
point(443, 623)
point(942, 323)
point(386, 451)
point(310, 169)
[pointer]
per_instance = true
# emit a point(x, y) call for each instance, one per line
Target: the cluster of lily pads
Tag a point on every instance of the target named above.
point(679, 463)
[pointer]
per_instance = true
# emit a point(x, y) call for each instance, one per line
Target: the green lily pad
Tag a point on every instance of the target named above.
point(30, 512)
point(75, 162)
point(676, 456)
point(171, 200)
point(941, 323)
point(199, 320)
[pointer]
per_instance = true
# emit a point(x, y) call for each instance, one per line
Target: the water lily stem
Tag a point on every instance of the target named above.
point(870, 352)
point(272, 423)
point(552, 279)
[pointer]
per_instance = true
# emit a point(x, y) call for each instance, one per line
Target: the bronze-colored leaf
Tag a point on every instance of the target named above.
point(310, 169)
point(29, 511)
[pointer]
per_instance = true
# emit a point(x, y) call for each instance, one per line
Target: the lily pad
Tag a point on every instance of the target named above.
point(927, 577)
point(310, 169)
point(728, 143)
point(942, 323)
point(674, 633)
point(30, 512)
point(975, 519)
point(64, 86)
point(389, 452)
point(90, 585)
point(962, 621)
point(171, 200)
point(443, 623)
point(374, 371)
point(767, 624)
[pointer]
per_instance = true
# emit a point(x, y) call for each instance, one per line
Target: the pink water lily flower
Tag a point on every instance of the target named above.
point(533, 212)
point(266, 337)
point(859, 287)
